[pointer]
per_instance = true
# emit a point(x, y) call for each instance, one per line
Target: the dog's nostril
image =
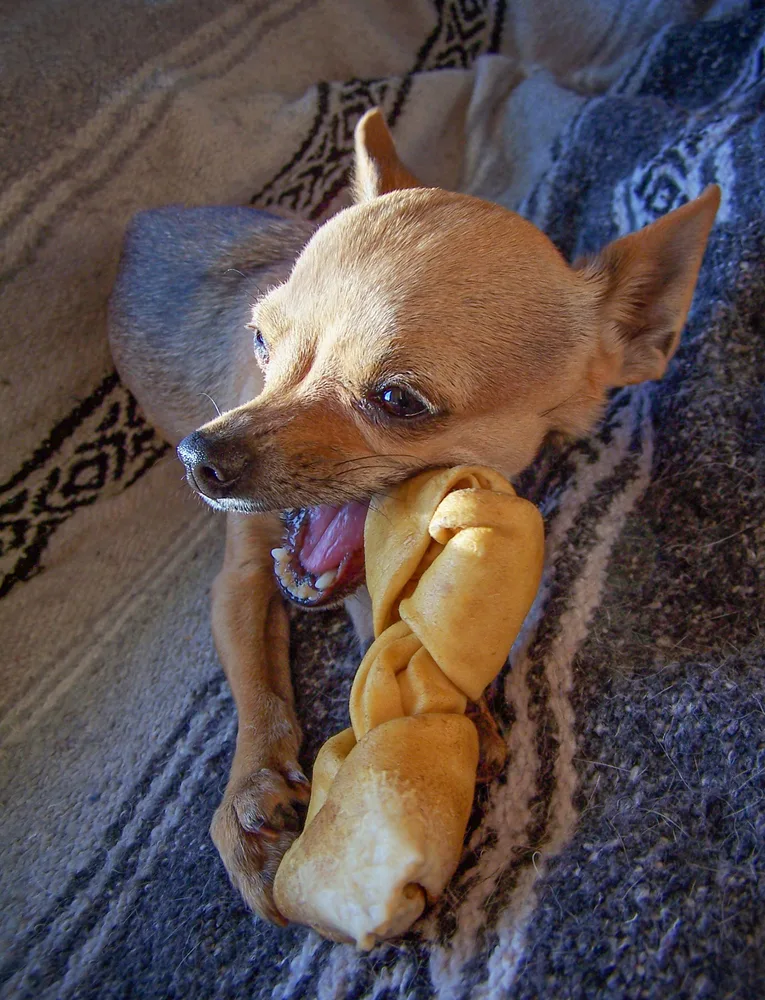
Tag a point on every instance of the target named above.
point(209, 473)
point(210, 476)
point(210, 469)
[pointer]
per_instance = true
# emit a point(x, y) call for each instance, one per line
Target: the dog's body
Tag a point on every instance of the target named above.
point(417, 329)
point(188, 272)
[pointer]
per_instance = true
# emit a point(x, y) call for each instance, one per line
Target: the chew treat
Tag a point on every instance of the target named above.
point(453, 562)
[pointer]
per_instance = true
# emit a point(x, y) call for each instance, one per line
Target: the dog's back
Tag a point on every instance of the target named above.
point(187, 281)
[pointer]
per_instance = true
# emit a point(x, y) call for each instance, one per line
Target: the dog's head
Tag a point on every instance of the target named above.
point(422, 328)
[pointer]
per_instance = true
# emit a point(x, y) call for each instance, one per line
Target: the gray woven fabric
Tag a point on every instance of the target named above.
point(621, 855)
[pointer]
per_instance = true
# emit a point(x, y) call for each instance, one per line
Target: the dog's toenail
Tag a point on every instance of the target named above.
point(263, 830)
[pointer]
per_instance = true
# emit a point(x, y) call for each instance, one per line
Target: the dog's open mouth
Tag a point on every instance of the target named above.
point(321, 560)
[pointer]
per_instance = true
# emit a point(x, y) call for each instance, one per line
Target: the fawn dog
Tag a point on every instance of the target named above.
point(418, 328)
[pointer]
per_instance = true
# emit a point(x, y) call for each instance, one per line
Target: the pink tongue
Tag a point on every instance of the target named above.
point(332, 533)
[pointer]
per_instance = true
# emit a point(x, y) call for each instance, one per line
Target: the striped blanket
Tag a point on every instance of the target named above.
point(621, 853)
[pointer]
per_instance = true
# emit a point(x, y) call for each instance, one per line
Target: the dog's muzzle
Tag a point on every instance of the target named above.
point(213, 468)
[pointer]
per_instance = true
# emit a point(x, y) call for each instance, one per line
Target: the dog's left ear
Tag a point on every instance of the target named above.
point(647, 280)
point(377, 168)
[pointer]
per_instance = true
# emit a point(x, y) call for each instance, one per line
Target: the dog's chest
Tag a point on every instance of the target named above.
point(359, 608)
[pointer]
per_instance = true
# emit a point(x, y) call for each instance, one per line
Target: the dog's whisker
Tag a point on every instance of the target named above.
point(342, 493)
point(217, 408)
point(557, 406)
point(391, 457)
point(364, 470)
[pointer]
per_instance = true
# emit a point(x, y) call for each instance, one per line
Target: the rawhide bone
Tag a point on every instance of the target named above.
point(453, 562)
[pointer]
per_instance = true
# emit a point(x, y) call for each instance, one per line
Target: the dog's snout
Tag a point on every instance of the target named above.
point(213, 467)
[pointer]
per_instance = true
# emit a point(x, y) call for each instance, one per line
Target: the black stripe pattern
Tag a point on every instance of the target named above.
point(642, 674)
point(111, 444)
point(102, 446)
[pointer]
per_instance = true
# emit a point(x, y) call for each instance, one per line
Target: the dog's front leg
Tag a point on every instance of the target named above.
point(256, 821)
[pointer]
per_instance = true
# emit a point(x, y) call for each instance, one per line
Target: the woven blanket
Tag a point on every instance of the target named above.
point(621, 852)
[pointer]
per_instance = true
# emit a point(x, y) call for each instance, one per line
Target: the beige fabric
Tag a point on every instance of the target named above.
point(454, 560)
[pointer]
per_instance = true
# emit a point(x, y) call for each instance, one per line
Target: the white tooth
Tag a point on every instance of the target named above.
point(326, 580)
point(304, 591)
point(280, 555)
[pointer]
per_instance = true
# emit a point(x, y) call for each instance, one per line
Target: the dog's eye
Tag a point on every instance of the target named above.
point(399, 402)
point(260, 346)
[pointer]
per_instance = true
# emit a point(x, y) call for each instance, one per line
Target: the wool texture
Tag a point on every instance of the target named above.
point(620, 855)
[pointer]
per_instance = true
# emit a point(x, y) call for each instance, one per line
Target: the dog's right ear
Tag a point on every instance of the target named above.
point(377, 168)
point(645, 285)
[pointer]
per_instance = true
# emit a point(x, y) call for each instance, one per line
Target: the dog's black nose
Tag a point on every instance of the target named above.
point(213, 467)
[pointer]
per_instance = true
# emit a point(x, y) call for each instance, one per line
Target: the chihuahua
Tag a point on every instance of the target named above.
point(418, 328)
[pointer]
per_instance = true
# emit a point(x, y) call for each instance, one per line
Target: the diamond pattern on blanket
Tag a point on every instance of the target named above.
point(621, 852)
point(103, 445)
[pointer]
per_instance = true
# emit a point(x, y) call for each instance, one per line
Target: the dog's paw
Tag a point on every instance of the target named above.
point(254, 825)
point(492, 756)
point(492, 749)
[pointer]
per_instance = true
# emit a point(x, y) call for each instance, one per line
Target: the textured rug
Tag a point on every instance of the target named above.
point(621, 854)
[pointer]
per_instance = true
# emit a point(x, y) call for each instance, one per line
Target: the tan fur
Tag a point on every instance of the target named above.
point(377, 166)
point(252, 637)
point(474, 308)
